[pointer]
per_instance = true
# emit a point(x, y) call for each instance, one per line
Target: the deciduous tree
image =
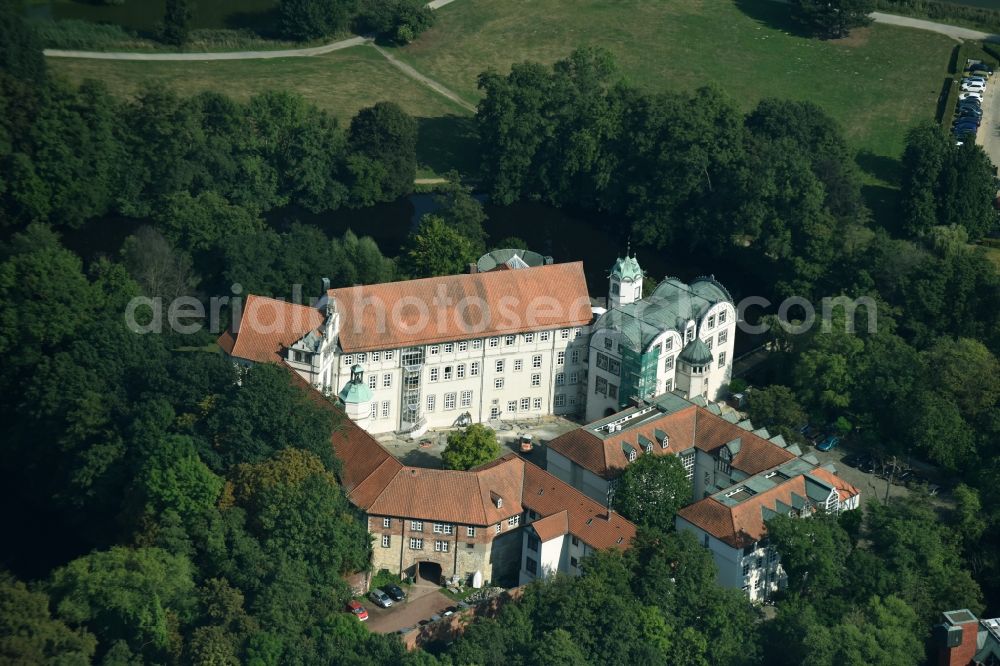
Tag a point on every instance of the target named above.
point(471, 447)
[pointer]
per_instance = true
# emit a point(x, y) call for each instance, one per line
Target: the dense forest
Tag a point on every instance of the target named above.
point(159, 511)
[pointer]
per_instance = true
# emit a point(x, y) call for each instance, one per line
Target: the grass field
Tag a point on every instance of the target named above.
point(876, 83)
point(341, 83)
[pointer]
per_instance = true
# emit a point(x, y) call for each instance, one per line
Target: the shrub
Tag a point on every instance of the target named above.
point(84, 35)
point(399, 21)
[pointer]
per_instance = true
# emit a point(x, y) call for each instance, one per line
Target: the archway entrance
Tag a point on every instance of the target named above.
point(609, 412)
point(430, 572)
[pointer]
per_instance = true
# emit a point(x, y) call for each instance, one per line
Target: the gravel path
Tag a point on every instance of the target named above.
point(942, 28)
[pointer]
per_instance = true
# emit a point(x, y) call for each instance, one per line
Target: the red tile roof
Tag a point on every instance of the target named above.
point(269, 326)
point(844, 489)
point(456, 307)
point(690, 426)
point(553, 526)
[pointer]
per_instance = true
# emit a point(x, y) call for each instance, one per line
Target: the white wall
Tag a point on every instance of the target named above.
point(590, 484)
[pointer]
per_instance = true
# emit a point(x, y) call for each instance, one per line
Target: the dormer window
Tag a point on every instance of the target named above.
point(665, 441)
point(631, 455)
point(497, 500)
point(649, 448)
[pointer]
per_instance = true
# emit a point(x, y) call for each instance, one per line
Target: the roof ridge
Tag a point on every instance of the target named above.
point(492, 275)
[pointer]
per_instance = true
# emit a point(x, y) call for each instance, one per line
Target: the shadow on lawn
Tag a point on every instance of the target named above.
point(775, 15)
point(448, 142)
point(884, 168)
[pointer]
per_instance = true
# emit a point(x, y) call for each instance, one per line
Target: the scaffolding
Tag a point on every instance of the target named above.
point(413, 362)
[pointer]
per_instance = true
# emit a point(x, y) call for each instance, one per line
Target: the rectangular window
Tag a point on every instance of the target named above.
point(575, 541)
point(536, 379)
point(512, 406)
point(500, 365)
point(449, 347)
point(564, 334)
point(499, 528)
point(573, 562)
point(711, 322)
point(417, 525)
point(509, 340)
point(449, 401)
point(722, 359)
point(560, 379)
point(574, 378)
point(386, 541)
point(434, 374)
point(435, 349)
point(601, 386)
point(437, 528)
point(514, 521)
point(723, 336)
point(708, 343)
point(376, 357)
point(470, 531)
point(463, 346)
point(448, 529)
point(448, 372)
point(387, 522)
point(668, 344)
point(374, 409)
point(525, 404)
point(668, 385)
point(477, 344)
point(372, 380)
point(460, 371)
point(494, 342)
point(361, 357)
point(518, 364)
point(544, 336)
point(614, 367)
point(612, 390)
point(466, 399)
point(576, 332)
point(388, 355)
point(348, 359)
point(416, 544)
point(668, 363)
point(474, 369)
point(533, 543)
point(608, 343)
point(746, 570)
point(441, 546)
point(431, 400)
point(498, 383)
point(690, 334)
point(559, 400)
point(531, 566)
point(722, 317)
point(385, 409)
point(386, 381)
point(602, 361)
point(529, 337)
point(536, 361)
point(536, 404)
point(560, 358)
point(574, 356)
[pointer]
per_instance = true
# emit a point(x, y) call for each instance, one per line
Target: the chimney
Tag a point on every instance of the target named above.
point(326, 285)
point(473, 268)
point(956, 638)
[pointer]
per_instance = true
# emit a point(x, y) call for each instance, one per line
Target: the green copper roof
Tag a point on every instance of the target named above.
point(627, 269)
point(512, 258)
point(696, 353)
point(671, 305)
point(356, 391)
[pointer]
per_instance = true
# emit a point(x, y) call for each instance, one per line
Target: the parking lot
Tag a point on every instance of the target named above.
point(989, 131)
point(423, 601)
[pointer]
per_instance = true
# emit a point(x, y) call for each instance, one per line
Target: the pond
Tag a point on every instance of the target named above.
point(144, 15)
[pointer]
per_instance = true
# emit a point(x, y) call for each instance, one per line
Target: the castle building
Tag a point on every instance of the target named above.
point(740, 477)
point(518, 339)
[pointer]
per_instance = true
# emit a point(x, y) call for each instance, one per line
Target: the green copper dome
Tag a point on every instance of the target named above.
point(627, 269)
point(696, 353)
point(356, 391)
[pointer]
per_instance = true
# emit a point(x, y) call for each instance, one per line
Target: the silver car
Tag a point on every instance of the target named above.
point(380, 598)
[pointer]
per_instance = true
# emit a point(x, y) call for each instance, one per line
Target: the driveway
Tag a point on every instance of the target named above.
point(423, 600)
point(989, 131)
point(869, 484)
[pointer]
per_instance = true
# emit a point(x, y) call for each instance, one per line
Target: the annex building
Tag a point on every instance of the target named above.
point(740, 477)
point(517, 337)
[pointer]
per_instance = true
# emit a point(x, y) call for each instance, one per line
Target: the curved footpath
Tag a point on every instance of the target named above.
point(943, 28)
point(225, 55)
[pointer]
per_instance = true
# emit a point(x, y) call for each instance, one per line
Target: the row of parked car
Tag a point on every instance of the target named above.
point(824, 439)
point(382, 597)
point(890, 469)
point(969, 110)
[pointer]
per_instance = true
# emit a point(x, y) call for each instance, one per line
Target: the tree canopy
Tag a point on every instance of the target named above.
point(468, 448)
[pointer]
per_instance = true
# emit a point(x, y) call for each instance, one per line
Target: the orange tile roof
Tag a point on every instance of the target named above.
point(844, 489)
point(552, 526)
point(269, 326)
point(687, 427)
point(589, 521)
point(452, 307)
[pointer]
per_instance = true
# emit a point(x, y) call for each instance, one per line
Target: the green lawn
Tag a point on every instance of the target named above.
point(340, 82)
point(876, 83)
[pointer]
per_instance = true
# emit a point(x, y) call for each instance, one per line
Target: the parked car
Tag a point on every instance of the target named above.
point(980, 67)
point(380, 598)
point(828, 444)
point(974, 106)
point(975, 79)
point(972, 87)
point(970, 113)
point(970, 95)
point(354, 606)
point(395, 592)
point(525, 443)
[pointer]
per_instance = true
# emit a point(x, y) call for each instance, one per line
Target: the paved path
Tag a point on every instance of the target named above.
point(420, 606)
point(226, 55)
point(429, 82)
point(943, 28)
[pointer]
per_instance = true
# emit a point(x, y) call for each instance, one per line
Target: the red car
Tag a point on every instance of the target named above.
point(354, 606)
